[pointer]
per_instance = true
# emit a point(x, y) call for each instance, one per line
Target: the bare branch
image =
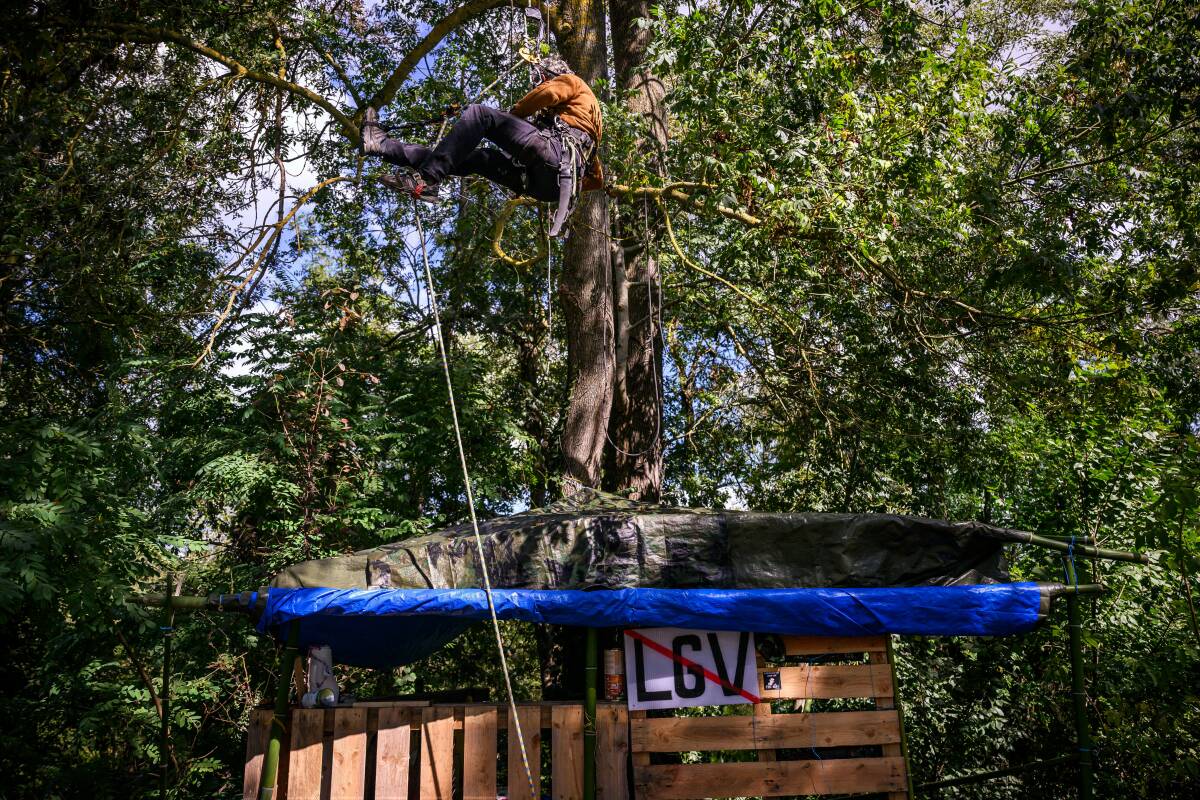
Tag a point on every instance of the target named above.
point(268, 248)
point(147, 33)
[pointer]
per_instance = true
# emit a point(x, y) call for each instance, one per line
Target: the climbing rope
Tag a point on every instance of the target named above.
point(515, 721)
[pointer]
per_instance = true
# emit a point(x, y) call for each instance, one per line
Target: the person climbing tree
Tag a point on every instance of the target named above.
point(546, 145)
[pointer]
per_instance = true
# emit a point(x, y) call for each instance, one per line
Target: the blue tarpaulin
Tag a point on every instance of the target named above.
point(389, 627)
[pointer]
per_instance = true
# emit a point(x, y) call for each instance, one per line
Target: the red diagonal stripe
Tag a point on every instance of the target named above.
point(687, 662)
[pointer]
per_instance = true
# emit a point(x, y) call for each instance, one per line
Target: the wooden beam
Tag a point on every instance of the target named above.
point(824, 645)
point(479, 753)
point(531, 726)
point(256, 745)
point(437, 753)
point(566, 752)
point(828, 682)
point(887, 703)
point(750, 779)
point(832, 729)
point(612, 752)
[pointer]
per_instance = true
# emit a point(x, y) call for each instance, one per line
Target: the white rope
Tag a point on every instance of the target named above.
point(515, 722)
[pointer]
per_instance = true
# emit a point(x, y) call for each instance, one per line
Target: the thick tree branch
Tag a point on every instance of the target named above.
point(971, 311)
point(467, 11)
point(340, 72)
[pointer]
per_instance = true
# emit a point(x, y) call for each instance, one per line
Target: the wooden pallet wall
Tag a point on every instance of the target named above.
point(844, 668)
point(417, 751)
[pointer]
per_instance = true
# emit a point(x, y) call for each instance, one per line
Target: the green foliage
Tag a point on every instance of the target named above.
point(972, 294)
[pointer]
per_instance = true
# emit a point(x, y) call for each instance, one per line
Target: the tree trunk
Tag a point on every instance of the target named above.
point(585, 290)
point(635, 462)
point(585, 287)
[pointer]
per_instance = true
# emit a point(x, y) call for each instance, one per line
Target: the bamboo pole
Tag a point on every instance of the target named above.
point(1060, 590)
point(1083, 734)
point(242, 601)
point(168, 631)
point(589, 716)
point(981, 777)
point(270, 767)
point(891, 657)
point(1080, 549)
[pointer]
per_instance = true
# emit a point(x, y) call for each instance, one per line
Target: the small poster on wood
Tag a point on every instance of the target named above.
point(677, 668)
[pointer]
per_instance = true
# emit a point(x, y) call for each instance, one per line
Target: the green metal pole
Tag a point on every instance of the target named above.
point(270, 768)
point(168, 631)
point(589, 716)
point(1083, 734)
point(891, 657)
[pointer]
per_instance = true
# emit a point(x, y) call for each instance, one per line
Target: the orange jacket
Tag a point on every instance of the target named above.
point(572, 99)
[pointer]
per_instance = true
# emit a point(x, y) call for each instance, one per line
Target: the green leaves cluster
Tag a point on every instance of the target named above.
point(972, 294)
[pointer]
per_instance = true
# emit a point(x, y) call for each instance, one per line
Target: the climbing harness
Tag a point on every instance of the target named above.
point(514, 720)
point(577, 149)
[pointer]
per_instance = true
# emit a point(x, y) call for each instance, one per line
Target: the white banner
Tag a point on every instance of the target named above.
point(676, 668)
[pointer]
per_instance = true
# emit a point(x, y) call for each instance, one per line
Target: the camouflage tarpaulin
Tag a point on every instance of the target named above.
point(599, 541)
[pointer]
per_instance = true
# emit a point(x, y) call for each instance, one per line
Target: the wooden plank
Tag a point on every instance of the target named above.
point(612, 752)
point(887, 704)
point(530, 717)
point(307, 756)
point(763, 711)
point(392, 745)
point(349, 779)
point(566, 753)
point(828, 681)
point(747, 778)
point(824, 645)
point(639, 760)
point(257, 736)
point(832, 729)
point(479, 753)
point(437, 753)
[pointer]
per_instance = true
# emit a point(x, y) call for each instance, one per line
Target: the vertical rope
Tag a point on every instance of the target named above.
point(515, 725)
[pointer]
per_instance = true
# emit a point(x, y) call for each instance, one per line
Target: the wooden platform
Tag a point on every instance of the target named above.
point(421, 751)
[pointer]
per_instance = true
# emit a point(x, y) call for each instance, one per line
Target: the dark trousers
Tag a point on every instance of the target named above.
point(526, 163)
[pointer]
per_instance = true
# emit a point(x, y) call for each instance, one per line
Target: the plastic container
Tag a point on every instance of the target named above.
point(614, 674)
